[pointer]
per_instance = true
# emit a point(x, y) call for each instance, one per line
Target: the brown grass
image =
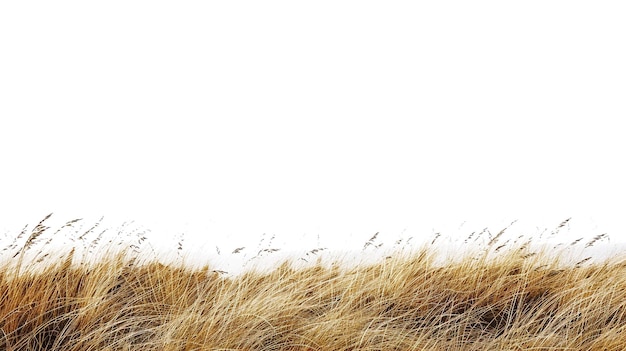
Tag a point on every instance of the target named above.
point(512, 299)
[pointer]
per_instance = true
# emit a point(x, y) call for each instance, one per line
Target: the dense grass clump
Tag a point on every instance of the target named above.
point(494, 299)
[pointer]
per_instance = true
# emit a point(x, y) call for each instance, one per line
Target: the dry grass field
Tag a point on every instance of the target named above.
point(504, 297)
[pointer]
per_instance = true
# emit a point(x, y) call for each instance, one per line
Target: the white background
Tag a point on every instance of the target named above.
point(337, 119)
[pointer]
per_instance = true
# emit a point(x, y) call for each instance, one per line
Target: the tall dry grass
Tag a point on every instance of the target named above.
point(500, 298)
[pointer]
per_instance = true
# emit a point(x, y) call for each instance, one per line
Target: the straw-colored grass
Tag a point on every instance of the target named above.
point(512, 299)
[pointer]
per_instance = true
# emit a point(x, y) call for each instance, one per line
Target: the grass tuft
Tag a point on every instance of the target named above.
point(505, 297)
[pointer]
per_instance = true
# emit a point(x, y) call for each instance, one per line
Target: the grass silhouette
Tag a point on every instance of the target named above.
point(504, 297)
